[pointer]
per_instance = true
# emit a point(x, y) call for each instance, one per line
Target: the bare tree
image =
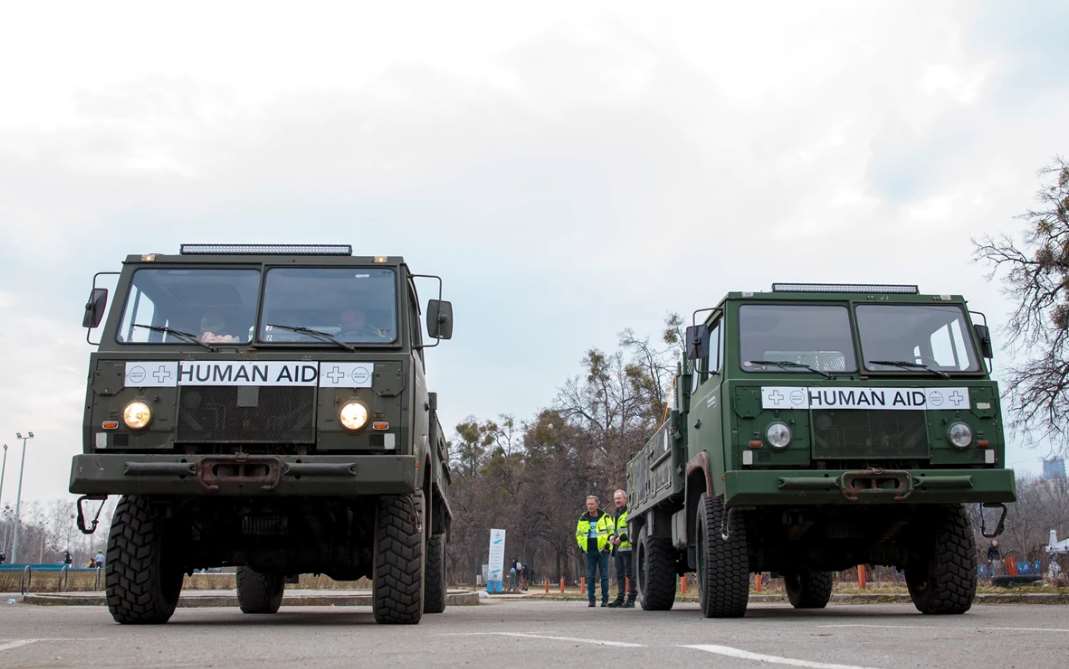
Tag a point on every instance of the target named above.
point(1036, 276)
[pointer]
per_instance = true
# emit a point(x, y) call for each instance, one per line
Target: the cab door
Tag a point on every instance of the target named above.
point(705, 428)
point(420, 409)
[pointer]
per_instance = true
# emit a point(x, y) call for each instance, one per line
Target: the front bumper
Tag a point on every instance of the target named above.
point(917, 486)
point(214, 475)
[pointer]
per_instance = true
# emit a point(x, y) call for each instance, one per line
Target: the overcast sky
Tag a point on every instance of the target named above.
point(570, 169)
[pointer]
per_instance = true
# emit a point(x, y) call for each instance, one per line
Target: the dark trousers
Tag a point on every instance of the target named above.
point(595, 562)
point(625, 568)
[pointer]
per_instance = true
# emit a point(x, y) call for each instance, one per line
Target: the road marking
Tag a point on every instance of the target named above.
point(728, 651)
point(944, 628)
point(551, 637)
point(9, 645)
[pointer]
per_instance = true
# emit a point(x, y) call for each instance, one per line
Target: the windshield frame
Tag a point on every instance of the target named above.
point(967, 333)
point(773, 369)
point(128, 294)
point(124, 293)
point(399, 321)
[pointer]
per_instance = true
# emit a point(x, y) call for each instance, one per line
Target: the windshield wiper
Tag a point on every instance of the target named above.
point(318, 334)
point(185, 336)
point(908, 364)
point(792, 365)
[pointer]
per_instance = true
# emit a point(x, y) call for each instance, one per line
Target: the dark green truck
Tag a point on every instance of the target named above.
point(265, 406)
point(815, 428)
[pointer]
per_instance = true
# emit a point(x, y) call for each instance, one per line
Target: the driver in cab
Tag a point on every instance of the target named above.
point(354, 326)
point(213, 329)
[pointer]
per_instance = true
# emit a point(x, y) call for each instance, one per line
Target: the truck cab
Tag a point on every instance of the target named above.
point(266, 406)
point(819, 427)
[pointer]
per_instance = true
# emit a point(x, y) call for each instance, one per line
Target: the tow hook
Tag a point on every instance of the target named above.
point(96, 518)
point(1001, 520)
point(263, 472)
point(856, 484)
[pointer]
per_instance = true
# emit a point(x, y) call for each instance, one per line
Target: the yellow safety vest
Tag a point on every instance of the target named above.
point(620, 530)
point(604, 526)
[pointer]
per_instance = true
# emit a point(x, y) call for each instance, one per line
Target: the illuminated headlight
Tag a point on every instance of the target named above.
point(959, 434)
point(353, 416)
point(778, 435)
point(136, 415)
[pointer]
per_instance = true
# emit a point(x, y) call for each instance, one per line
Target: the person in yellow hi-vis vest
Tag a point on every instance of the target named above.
point(621, 550)
point(592, 533)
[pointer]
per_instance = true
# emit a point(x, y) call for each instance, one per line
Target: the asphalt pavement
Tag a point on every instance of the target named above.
point(541, 634)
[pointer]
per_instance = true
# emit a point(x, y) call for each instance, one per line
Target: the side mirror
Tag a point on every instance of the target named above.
point(694, 341)
point(94, 308)
point(439, 319)
point(983, 334)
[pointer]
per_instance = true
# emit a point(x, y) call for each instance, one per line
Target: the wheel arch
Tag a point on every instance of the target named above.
point(699, 481)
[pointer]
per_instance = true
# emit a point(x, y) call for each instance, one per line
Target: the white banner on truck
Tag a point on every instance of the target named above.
point(156, 374)
point(861, 397)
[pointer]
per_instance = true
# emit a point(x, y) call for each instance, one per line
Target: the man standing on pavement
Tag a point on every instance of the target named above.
point(621, 549)
point(592, 533)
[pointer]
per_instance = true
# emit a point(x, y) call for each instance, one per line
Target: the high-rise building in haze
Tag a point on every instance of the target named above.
point(1054, 468)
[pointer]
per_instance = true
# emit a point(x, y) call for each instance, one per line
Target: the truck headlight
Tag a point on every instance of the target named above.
point(959, 434)
point(778, 435)
point(353, 416)
point(136, 415)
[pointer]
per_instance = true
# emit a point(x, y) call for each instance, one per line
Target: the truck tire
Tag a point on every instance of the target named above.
point(259, 592)
point(808, 589)
point(436, 582)
point(398, 564)
point(943, 578)
point(142, 575)
point(723, 564)
point(655, 572)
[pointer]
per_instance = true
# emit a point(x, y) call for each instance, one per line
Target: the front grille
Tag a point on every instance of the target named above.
point(278, 415)
point(862, 434)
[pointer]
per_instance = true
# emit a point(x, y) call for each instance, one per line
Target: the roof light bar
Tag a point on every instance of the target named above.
point(844, 288)
point(267, 249)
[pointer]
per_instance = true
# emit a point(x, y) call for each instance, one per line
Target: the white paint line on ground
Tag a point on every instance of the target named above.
point(738, 653)
point(17, 643)
point(943, 628)
point(551, 637)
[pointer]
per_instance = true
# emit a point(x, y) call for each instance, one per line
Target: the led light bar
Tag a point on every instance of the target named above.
point(844, 288)
point(267, 249)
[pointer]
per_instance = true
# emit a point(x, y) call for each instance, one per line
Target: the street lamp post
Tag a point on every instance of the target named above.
point(3, 471)
point(18, 497)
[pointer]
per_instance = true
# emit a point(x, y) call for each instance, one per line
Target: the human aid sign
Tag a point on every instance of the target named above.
point(165, 374)
point(885, 399)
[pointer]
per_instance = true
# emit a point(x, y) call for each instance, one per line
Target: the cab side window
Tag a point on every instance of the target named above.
point(712, 358)
point(415, 327)
point(715, 359)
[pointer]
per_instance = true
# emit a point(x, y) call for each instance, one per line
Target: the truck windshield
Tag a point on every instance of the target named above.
point(804, 336)
point(183, 306)
point(921, 336)
point(353, 304)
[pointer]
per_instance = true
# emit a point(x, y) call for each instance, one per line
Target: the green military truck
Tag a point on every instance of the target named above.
point(815, 428)
point(265, 406)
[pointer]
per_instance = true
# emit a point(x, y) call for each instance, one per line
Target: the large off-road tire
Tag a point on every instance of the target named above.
point(398, 565)
point(942, 579)
point(435, 580)
point(808, 589)
point(655, 571)
point(723, 564)
point(143, 572)
point(259, 592)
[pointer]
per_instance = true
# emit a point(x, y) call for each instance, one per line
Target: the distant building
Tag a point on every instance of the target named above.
point(1054, 469)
